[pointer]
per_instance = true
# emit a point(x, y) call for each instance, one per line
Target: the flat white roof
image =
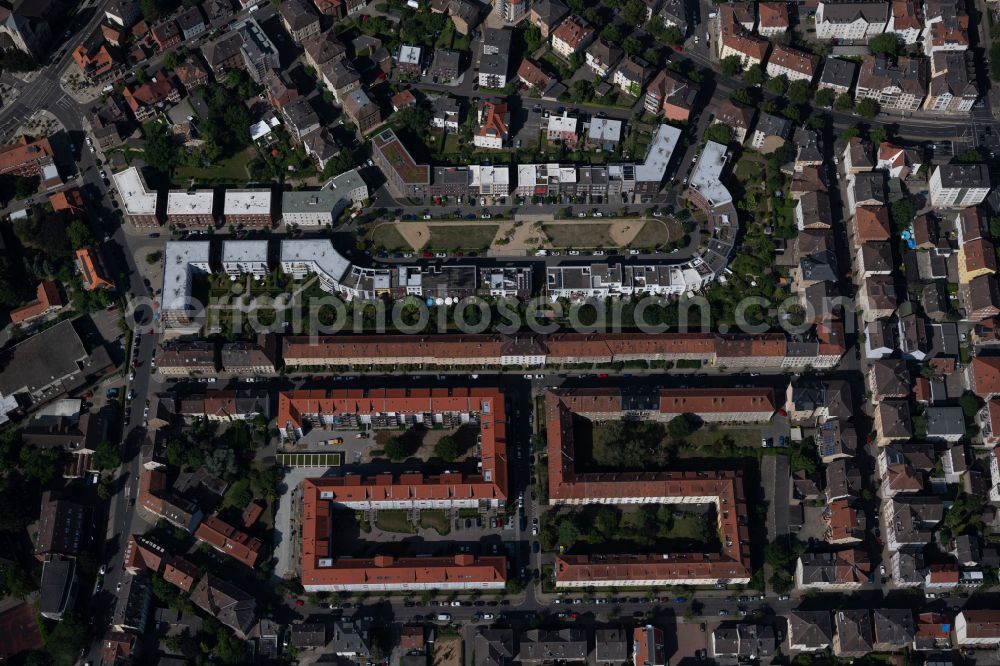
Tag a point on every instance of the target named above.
point(181, 260)
point(563, 123)
point(605, 129)
point(136, 199)
point(659, 154)
point(321, 254)
point(409, 54)
point(707, 174)
point(198, 202)
point(484, 175)
point(244, 251)
point(247, 202)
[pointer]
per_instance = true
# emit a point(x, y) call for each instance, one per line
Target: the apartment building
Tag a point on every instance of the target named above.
point(244, 258)
point(494, 124)
point(572, 36)
point(900, 87)
point(247, 209)
point(953, 87)
point(793, 64)
point(405, 178)
point(137, 200)
point(959, 185)
point(191, 209)
point(851, 20)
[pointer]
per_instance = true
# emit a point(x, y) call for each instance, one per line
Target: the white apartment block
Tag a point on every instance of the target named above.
point(959, 185)
point(244, 258)
point(851, 20)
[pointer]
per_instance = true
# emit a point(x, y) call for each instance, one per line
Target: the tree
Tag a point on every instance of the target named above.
point(868, 108)
point(395, 449)
point(634, 12)
point(612, 33)
point(15, 581)
point(680, 426)
point(69, 636)
point(446, 448)
point(824, 97)
point(995, 61)
point(632, 45)
point(170, 60)
point(777, 85)
point(903, 212)
point(41, 464)
point(754, 76)
point(159, 150)
point(843, 102)
point(79, 235)
point(731, 65)
point(971, 156)
point(581, 91)
point(719, 133)
point(744, 96)
point(25, 186)
point(885, 43)
point(877, 135)
point(798, 92)
point(105, 456)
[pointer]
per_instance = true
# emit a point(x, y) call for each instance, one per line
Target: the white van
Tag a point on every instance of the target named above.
point(444, 617)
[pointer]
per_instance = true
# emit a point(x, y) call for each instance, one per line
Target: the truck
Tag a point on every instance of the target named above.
point(336, 441)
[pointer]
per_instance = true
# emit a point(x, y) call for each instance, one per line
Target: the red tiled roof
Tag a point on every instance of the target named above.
point(985, 373)
point(566, 484)
point(871, 223)
point(227, 539)
point(46, 296)
point(772, 14)
point(181, 573)
point(982, 623)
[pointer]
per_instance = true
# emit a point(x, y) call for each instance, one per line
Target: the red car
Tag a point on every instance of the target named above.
point(299, 602)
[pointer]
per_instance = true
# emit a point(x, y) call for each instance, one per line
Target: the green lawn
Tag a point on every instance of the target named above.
point(394, 521)
point(703, 440)
point(386, 235)
point(232, 170)
point(435, 519)
point(465, 237)
point(657, 232)
point(451, 146)
point(579, 235)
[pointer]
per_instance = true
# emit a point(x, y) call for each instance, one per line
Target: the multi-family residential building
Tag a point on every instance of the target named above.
point(572, 36)
point(602, 57)
point(792, 63)
point(851, 20)
point(672, 95)
point(841, 570)
point(299, 19)
point(244, 258)
point(563, 128)
point(494, 125)
point(737, 117)
point(257, 51)
point(900, 87)
point(191, 209)
point(749, 48)
point(494, 60)
point(838, 75)
point(546, 15)
point(953, 87)
point(138, 201)
point(959, 185)
point(772, 18)
point(631, 75)
point(362, 111)
point(946, 26)
point(809, 631)
point(247, 209)
point(906, 21)
point(445, 113)
point(191, 23)
point(978, 628)
point(512, 11)
point(404, 176)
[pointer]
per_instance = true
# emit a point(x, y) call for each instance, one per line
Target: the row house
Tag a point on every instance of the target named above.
point(892, 422)
point(910, 521)
point(900, 87)
point(842, 570)
point(340, 9)
point(191, 23)
point(952, 87)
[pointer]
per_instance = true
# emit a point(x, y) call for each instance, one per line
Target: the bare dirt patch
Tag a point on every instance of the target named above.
point(447, 651)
